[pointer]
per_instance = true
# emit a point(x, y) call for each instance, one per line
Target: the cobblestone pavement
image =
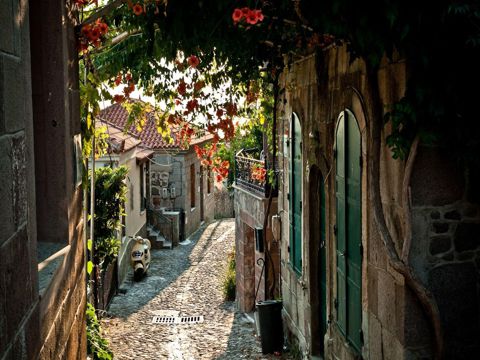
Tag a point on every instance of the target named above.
point(186, 280)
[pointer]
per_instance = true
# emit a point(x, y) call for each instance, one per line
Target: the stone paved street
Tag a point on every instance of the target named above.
point(187, 280)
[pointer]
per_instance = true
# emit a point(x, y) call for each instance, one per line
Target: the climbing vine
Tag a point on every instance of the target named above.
point(97, 345)
point(110, 192)
point(229, 45)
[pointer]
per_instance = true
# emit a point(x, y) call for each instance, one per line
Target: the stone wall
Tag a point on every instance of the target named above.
point(177, 166)
point(224, 207)
point(250, 209)
point(448, 261)
point(38, 108)
point(444, 221)
point(193, 215)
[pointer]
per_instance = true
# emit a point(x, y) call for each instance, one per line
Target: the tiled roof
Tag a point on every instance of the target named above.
point(118, 140)
point(117, 116)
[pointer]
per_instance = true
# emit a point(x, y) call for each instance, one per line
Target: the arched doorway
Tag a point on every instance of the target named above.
point(348, 228)
point(317, 260)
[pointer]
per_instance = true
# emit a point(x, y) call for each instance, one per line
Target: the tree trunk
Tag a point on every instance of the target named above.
point(425, 297)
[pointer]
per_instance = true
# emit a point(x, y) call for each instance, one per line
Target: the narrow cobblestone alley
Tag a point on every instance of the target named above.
point(185, 281)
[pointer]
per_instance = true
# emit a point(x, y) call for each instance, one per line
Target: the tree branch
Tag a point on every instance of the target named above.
point(406, 199)
point(103, 11)
point(425, 297)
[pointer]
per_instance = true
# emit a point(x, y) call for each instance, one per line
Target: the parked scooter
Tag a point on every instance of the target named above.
point(140, 257)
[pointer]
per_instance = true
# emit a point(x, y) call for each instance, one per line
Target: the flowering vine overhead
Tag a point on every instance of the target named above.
point(247, 16)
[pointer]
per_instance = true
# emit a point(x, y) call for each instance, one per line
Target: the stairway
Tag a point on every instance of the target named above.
point(157, 240)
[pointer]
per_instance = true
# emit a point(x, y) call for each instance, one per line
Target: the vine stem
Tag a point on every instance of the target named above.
point(407, 200)
point(400, 265)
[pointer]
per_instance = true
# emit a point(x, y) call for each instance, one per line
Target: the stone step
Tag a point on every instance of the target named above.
point(157, 243)
point(152, 238)
point(153, 232)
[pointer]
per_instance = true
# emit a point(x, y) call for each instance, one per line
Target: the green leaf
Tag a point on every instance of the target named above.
point(89, 267)
point(89, 121)
point(89, 244)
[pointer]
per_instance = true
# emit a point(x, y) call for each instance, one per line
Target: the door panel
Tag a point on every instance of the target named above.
point(296, 195)
point(348, 198)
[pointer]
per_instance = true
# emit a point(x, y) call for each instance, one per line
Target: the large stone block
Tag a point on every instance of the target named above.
point(440, 244)
point(10, 39)
point(15, 269)
point(415, 328)
point(7, 224)
point(392, 349)
point(467, 236)
point(19, 180)
point(14, 84)
point(374, 338)
point(386, 300)
point(455, 289)
point(436, 179)
point(372, 289)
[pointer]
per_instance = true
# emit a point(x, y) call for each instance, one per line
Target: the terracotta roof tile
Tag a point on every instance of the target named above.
point(117, 116)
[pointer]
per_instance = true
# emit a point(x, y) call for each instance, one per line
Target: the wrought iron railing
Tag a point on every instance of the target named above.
point(248, 173)
point(163, 224)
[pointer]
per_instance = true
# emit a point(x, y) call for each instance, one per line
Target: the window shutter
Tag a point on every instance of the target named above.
point(348, 239)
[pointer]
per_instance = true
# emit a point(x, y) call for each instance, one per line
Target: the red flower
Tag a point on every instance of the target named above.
point(192, 104)
point(118, 79)
point(103, 28)
point(245, 11)
point(231, 109)
point(171, 119)
point(128, 77)
point(198, 86)
point(237, 15)
point(251, 17)
point(86, 30)
point(94, 34)
point(119, 98)
point(259, 15)
point(182, 88)
point(193, 61)
point(219, 112)
point(137, 9)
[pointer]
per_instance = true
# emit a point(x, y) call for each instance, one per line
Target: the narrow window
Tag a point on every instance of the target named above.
point(192, 185)
point(142, 187)
point(209, 181)
point(295, 195)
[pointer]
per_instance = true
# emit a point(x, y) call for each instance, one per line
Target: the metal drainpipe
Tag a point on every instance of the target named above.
point(92, 219)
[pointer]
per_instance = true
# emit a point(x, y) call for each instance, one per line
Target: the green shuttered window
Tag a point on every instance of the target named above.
point(348, 228)
point(295, 195)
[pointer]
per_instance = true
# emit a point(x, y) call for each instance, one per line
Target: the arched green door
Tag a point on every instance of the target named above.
point(349, 228)
point(295, 195)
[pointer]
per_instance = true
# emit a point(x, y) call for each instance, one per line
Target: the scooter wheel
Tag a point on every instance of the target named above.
point(138, 274)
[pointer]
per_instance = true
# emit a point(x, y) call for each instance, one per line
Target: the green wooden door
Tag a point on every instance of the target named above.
point(295, 195)
point(348, 228)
